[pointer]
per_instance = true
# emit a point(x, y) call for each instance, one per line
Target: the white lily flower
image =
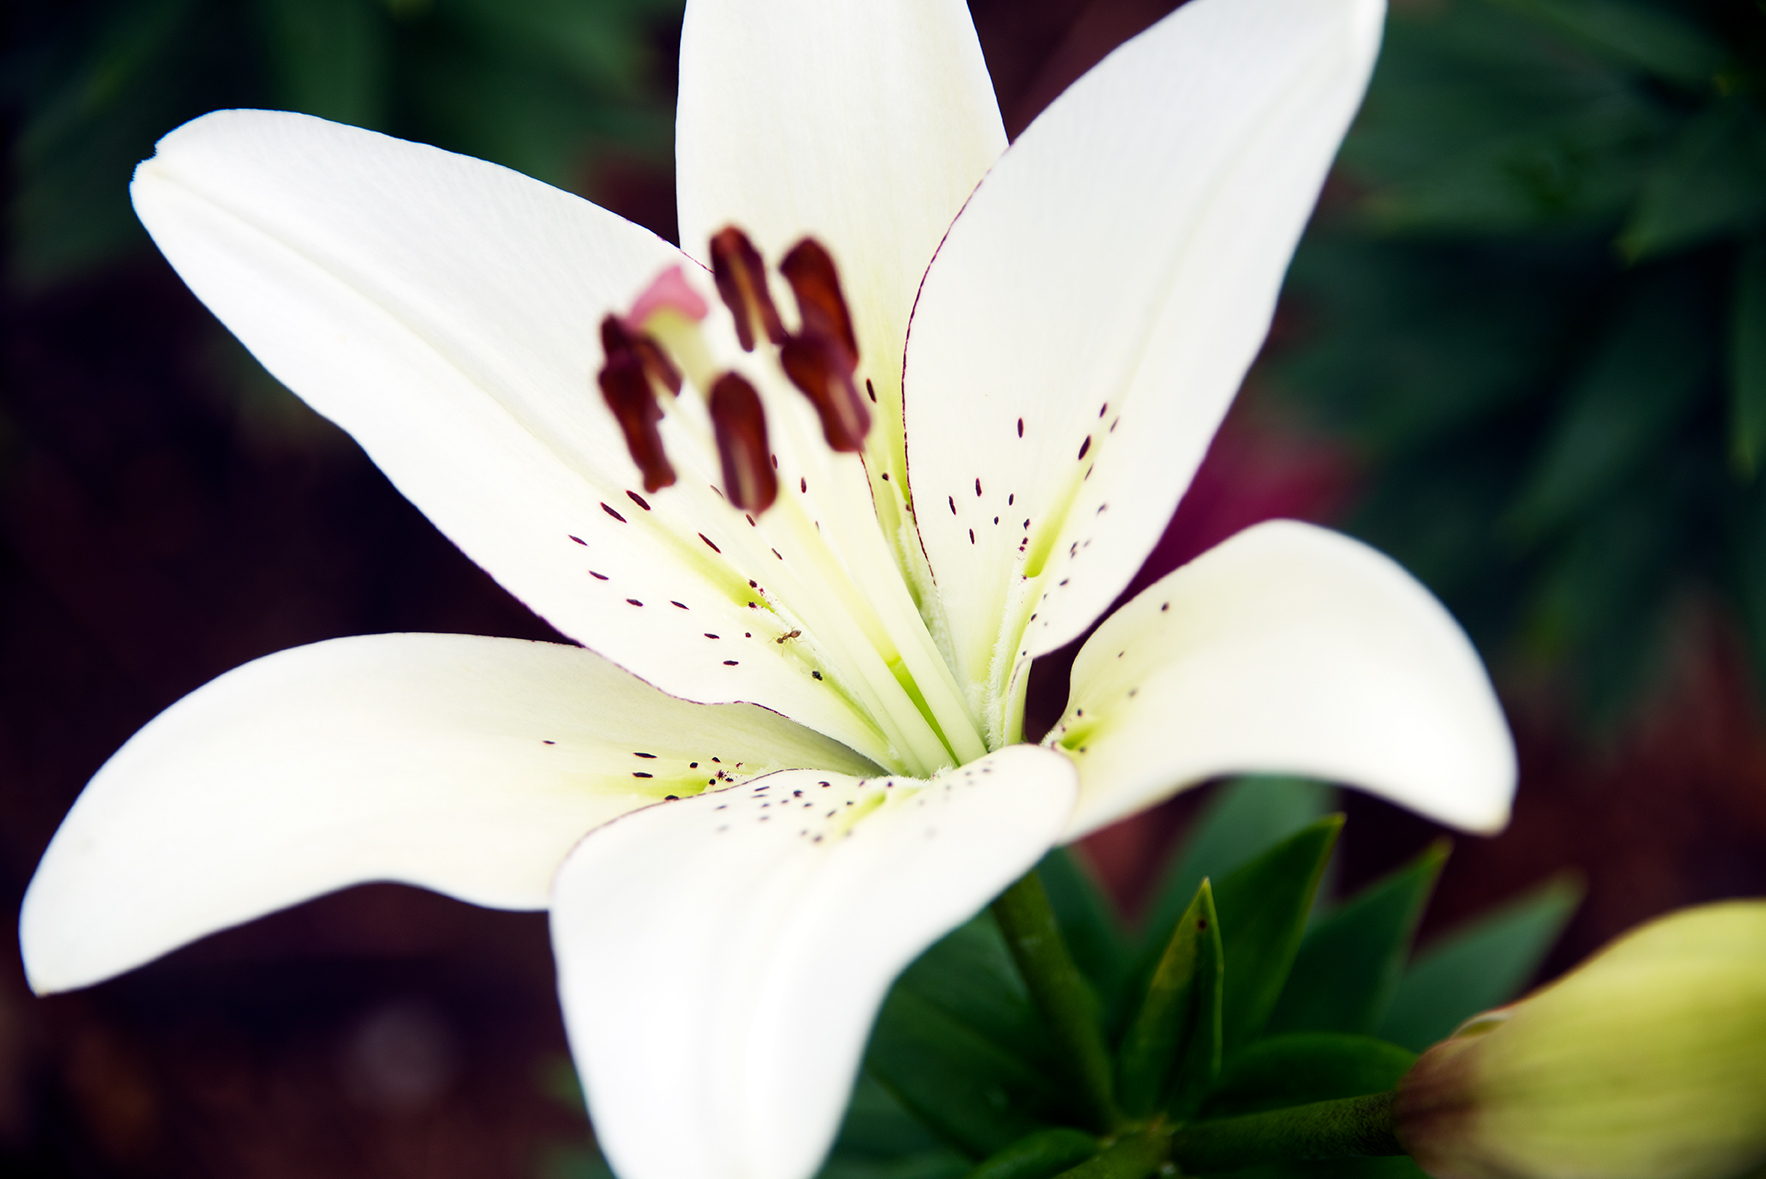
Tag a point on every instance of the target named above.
point(826, 699)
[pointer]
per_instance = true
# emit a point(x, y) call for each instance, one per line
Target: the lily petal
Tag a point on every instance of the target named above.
point(721, 958)
point(1287, 649)
point(443, 311)
point(468, 765)
point(1095, 305)
point(863, 124)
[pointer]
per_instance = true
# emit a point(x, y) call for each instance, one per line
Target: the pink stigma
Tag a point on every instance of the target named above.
point(669, 292)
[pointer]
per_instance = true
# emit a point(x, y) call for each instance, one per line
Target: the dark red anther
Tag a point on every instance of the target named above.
point(617, 338)
point(740, 425)
point(810, 271)
point(741, 283)
point(818, 366)
point(656, 363)
point(625, 386)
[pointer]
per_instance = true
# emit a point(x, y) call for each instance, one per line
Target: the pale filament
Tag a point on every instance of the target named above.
point(845, 591)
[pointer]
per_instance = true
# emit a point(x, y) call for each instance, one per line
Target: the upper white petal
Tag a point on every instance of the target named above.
point(1287, 649)
point(1106, 287)
point(861, 123)
point(721, 958)
point(464, 764)
point(444, 311)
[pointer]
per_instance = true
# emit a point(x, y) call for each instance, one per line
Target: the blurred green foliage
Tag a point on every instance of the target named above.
point(963, 1077)
point(1534, 304)
point(538, 85)
point(961, 1067)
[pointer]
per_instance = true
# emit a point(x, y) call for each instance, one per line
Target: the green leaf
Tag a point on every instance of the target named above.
point(1088, 921)
point(878, 1126)
point(973, 1094)
point(1640, 381)
point(1438, 340)
point(604, 46)
point(959, 1045)
point(1245, 817)
point(330, 58)
point(969, 975)
point(1350, 962)
point(1041, 1155)
point(1263, 908)
point(1412, 344)
point(1747, 361)
point(1747, 560)
point(1653, 37)
point(98, 115)
point(1576, 168)
point(1179, 1021)
point(484, 101)
point(556, 1077)
point(573, 1162)
point(1299, 1069)
point(932, 1164)
point(1480, 965)
point(1136, 1155)
point(1393, 1167)
point(1480, 119)
point(1601, 601)
point(542, 85)
point(879, 1139)
point(1711, 182)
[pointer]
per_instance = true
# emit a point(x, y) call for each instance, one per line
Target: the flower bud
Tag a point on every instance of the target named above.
point(1648, 1061)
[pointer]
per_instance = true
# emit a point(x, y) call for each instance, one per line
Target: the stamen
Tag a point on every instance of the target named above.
point(848, 595)
point(741, 283)
point(822, 359)
point(810, 271)
point(740, 425)
point(818, 367)
point(656, 363)
point(620, 337)
point(625, 386)
point(664, 325)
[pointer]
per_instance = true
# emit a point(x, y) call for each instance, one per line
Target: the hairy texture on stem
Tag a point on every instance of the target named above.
point(1353, 1127)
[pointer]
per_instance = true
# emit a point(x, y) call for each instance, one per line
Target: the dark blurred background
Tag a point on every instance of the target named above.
point(1523, 349)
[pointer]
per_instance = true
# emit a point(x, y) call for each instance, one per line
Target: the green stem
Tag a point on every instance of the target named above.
point(1133, 1156)
point(1060, 992)
point(1038, 1155)
point(1353, 1127)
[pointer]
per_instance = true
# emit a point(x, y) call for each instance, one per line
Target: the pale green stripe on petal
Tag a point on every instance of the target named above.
point(721, 958)
point(1094, 308)
point(464, 764)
